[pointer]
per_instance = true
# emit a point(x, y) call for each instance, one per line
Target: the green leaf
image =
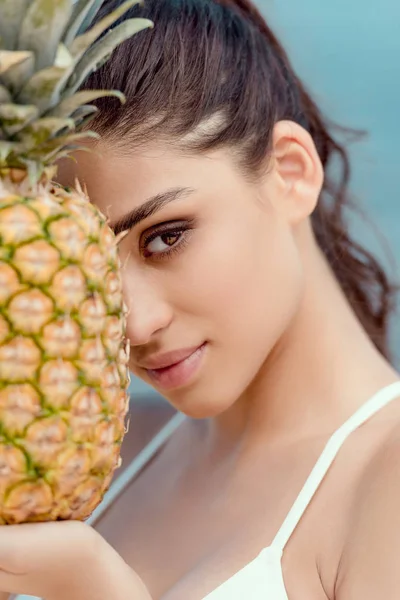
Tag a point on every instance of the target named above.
point(83, 116)
point(9, 59)
point(84, 111)
point(14, 77)
point(5, 95)
point(60, 144)
point(13, 117)
point(91, 16)
point(63, 57)
point(42, 130)
point(34, 168)
point(5, 149)
point(84, 11)
point(67, 151)
point(85, 41)
point(68, 106)
point(103, 49)
point(42, 29)
point(11, 15)
point(42, 89)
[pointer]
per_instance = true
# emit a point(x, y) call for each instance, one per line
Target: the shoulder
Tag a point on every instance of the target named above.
point(369, 566)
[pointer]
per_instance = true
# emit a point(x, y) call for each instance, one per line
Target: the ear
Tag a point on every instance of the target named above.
point(298, 171)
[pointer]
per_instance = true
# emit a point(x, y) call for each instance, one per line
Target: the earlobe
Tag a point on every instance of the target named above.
point(299, 169)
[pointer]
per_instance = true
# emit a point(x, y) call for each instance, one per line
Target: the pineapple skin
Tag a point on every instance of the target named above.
point(64, 373)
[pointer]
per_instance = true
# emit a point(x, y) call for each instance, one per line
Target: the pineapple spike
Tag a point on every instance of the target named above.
point(44, 20)
point(79, 188)
point(121, 235)
point(83, 191)
point(11, 15)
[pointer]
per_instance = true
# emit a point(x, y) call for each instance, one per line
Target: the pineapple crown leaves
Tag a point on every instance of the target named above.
point(42, 111)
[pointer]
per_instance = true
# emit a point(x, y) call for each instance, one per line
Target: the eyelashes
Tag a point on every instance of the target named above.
point(166, 240)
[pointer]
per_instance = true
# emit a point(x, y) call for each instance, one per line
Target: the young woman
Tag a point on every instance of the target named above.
point(255, 314)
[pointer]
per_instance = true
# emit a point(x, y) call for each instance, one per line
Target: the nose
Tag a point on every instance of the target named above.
point(148, 312)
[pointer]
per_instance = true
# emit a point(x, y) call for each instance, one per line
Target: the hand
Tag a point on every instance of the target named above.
point(64, 560)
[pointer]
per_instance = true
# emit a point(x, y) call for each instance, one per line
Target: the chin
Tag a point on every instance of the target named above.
point(192, 403)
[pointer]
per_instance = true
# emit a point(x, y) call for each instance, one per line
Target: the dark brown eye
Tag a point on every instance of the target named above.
point(170, 238)
point(162, 242)
point(167, 239)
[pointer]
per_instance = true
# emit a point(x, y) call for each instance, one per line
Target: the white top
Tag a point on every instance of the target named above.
point(262, 578)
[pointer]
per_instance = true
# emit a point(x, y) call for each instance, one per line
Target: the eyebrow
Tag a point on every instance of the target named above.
point(148, 208)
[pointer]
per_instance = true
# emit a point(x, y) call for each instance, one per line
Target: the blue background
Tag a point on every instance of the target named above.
point(348, 52)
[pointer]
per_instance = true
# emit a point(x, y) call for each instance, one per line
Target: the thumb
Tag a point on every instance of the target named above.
point(42, 546)
point(38, 558)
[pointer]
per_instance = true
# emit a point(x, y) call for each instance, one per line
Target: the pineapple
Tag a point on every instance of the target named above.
point(63, 353)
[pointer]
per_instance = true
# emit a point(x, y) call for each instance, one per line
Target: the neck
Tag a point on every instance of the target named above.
point(320, 372)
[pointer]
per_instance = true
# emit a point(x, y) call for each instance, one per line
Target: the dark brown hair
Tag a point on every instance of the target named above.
point(210, 58)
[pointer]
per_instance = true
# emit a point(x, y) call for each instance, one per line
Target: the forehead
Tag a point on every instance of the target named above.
point(117, 180)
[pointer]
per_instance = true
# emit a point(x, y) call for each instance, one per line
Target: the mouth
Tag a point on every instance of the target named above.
point(178, 372)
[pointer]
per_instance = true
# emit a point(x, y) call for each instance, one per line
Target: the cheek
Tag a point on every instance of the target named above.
point(246, 279)
point(264, 294)
point(242, 298)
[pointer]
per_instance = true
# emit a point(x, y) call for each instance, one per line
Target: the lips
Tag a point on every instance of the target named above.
point(168, 359)
point(176, 373)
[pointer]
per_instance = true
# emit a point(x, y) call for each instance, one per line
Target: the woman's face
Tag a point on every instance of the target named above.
point(211, 270)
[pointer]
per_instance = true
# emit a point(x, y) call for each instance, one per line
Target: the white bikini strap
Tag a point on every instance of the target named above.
point(335, 442)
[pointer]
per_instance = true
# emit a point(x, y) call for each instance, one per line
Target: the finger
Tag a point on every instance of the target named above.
point(36, 546)
point(36, 557)
point(4, 595)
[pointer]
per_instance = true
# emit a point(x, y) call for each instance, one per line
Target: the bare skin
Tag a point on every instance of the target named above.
point(206, 525)
point(285, 363)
